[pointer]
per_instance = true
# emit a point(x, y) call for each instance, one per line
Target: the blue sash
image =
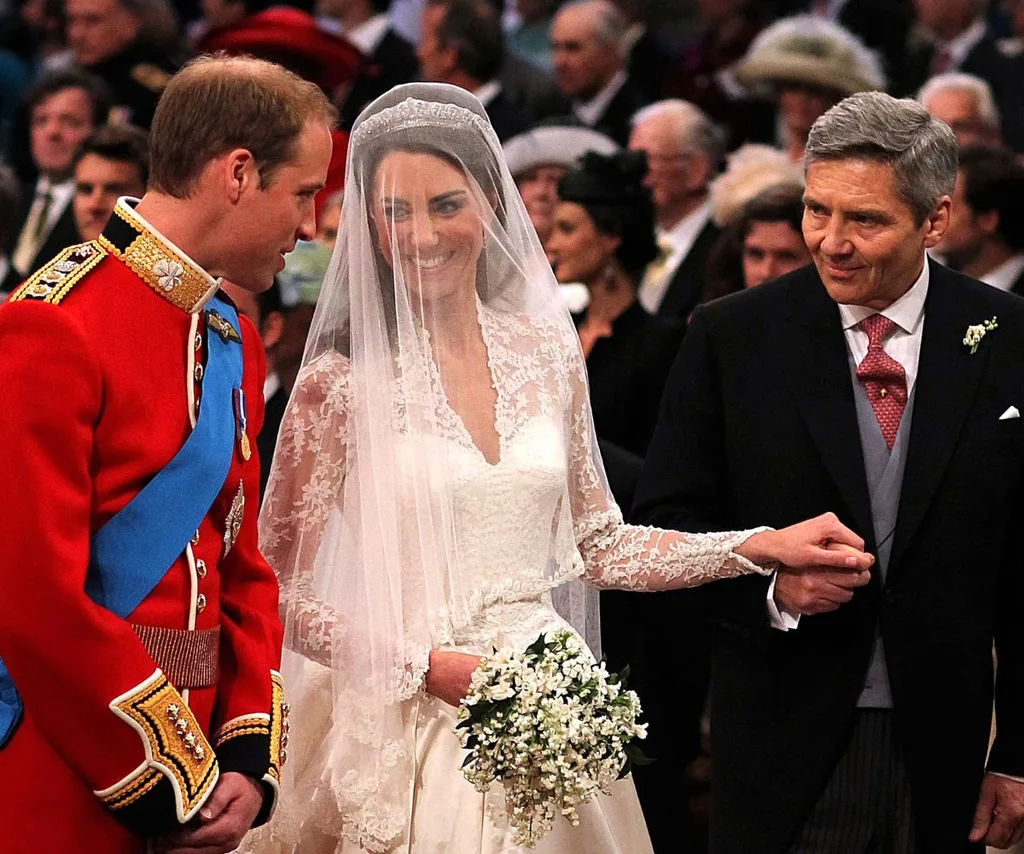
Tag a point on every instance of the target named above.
point(131, 553)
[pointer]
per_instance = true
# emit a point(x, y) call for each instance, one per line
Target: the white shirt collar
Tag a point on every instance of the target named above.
point(964, 43)
point(369, 34)
point(906, 312)
point(271, 386)
point(60, 195)
point(684, 233)
point(633, 34)
point(1006, 274)
point(488, 92)
point(590, 112)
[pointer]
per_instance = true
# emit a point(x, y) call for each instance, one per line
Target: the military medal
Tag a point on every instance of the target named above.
point(241, 422)
point(233, 521)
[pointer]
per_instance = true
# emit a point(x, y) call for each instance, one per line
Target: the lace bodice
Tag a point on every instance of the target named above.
point(505, 517)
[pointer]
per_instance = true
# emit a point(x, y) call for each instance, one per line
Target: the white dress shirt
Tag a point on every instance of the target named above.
point(680, 239)
point(1006, 274)
point(964, 43)
point(903, 345)
point(590, 112)
point(488, 92)
point(369, 34)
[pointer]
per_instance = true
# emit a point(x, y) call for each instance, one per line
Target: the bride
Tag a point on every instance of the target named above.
point(436, 478)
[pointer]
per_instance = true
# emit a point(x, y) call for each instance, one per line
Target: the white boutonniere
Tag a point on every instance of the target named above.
point(975, 333)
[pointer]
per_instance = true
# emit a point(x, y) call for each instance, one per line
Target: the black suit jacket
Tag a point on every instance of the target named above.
point(63, 234)
point(688, 281)
point(627, 373)
point(758, 427)
point(989, 63)
point(392, 63)
point(507, 118)
point(1018, 286)
point(616, 120)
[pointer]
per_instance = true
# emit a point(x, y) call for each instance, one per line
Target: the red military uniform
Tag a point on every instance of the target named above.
point(127, 722)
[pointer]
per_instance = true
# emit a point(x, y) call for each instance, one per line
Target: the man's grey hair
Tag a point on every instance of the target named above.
point(609, 23)
point(695, 131)
point(985, 102)
point(921, 151)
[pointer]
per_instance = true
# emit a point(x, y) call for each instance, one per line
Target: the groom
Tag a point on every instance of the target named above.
point(848, 724)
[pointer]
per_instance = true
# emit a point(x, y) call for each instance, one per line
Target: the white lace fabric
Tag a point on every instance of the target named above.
point(432, 490)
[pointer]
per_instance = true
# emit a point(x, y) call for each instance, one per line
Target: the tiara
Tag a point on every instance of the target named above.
point(414, 113)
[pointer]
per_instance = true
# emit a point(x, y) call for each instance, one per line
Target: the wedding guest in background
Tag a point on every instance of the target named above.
point(112, 162)
point(684, 149)
point(64, 108)
point(603, 236)
point(965, 103)
point(9, 191)
point(590, 66)
point(539, 159)
point(762, 242)
point(985, 238)
point(328, 219)
point(805, 65)
point(530, 36)
point(749, 170)
point(463, 44)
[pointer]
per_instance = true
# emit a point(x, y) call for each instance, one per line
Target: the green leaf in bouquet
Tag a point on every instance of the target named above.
point(469, 758)
point(638, 757)
point(538, 647)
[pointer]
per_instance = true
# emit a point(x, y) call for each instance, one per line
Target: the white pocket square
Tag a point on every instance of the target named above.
point(1010, 414)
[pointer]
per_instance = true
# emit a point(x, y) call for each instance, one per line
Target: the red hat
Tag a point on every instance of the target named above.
point(292, 38)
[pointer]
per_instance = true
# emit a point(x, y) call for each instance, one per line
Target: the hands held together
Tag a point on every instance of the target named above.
point(821, 562)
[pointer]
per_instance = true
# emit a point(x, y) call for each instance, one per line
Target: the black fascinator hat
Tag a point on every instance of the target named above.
point(610, 189)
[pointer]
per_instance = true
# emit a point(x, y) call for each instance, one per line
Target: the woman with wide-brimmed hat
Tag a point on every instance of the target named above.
point(806, 65)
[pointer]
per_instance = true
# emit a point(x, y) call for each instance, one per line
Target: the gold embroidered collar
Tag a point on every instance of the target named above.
point(155, 260)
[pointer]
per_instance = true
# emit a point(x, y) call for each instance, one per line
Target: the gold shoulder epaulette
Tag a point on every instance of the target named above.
point(151, 76)
point(52, 282)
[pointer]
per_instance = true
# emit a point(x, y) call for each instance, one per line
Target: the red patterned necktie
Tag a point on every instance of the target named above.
point(883, 378)
point(942, 61)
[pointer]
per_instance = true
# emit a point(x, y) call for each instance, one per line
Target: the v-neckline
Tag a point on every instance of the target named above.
point(460, 426)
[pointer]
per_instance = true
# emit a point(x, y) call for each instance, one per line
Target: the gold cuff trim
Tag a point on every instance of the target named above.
point(52, 282)
point(189, 659)
point(245, 725)
point(278, 726)
point(129, 793)
point(175, 745)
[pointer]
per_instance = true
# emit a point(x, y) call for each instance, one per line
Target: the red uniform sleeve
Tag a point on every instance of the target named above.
point(250, 723)
point(83, 676)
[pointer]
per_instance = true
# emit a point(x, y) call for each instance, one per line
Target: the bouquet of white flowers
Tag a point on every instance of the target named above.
point(553, 726)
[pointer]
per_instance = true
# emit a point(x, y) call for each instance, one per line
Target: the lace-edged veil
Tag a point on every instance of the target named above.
point(440, 334)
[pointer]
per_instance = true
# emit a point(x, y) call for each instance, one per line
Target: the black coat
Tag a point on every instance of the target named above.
point(616, 120)
point(392, 63)
point(627, 373)
point(137, 77)
point(758, 427)
point(687, 285)
point(63, 234)
point(507, 118)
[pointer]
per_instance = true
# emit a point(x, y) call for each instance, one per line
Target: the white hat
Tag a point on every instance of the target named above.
point(554, 146)
point(812, 52)
point(751, 169)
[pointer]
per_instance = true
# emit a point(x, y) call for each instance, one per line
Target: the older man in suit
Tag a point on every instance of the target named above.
point(684, 149)
point(889, 388)
point(589, 56)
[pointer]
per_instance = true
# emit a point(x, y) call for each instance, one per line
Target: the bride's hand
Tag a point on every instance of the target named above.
point(810, 544)
point(449, 674)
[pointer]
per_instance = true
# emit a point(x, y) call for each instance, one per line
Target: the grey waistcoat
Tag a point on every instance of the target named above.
point(884, 470)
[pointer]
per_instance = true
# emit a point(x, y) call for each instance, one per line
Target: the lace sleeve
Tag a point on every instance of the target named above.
point(305, 482)
point(633, 557)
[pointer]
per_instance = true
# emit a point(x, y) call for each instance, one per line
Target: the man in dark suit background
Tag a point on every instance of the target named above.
point(390, 59)
point(985, 238)
point(463, 44)
point(64, 108)
point(953, 36)
point(889, 389)
point(684, 149)
point(589, 59)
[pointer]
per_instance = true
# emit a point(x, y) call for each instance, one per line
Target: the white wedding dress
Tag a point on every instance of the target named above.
point(503, 536)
